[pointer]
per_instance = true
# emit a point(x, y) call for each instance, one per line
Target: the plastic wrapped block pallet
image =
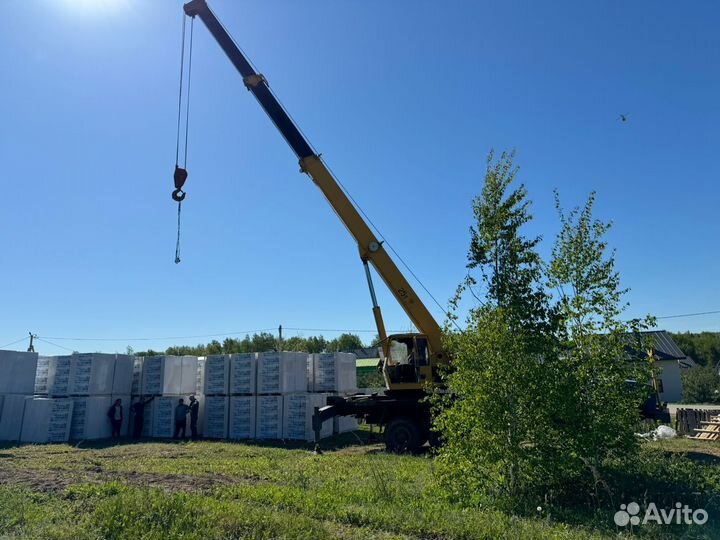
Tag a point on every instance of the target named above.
point(136, 376)
point(243, 373)
point(46, 420)
point(173, 375)
point(123, 374)
point(298, 410)
point(344, 424)
point(100, 374)
point(214, 411)
point(242, 417)
point(41, 375)
point(200, 379)
point(17, 372)
point(90, 419)
point(217, 375)
point(281, 373)
point(11, 417)
point(269, 421)
point(332, 372)
point(58, 381)
point(163, 416)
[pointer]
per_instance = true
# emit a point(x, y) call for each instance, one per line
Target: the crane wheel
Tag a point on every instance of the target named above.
point(402, 435)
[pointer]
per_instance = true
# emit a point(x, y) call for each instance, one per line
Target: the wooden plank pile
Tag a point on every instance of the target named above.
point(703, 425)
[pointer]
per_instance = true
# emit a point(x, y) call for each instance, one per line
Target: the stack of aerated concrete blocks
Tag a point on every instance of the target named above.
point(268, 395)
point(58, 398)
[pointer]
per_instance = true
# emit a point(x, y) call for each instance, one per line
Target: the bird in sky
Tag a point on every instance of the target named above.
point(623, 117)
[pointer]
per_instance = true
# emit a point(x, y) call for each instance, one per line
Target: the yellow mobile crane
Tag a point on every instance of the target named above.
point(410, 361)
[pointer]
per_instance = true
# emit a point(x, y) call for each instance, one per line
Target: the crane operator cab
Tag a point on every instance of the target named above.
point(407, 363)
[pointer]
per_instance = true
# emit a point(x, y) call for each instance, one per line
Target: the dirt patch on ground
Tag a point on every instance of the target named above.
point(57, 481)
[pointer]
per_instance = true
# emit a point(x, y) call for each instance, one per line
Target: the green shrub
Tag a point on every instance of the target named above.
point(539, 374)
point(701, 384)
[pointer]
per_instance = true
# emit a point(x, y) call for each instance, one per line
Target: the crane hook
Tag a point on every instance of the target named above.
point(180, 176)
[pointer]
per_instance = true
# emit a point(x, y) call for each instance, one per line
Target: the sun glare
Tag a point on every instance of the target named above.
point(94, 5)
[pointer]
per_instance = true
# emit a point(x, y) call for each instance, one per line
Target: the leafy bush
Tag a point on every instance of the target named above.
point(539, 382)
point(701, 384)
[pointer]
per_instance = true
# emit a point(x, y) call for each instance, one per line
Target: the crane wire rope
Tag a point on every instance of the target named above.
point(179, 122)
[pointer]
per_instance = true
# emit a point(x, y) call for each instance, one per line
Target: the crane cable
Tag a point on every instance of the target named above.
point(181, 172)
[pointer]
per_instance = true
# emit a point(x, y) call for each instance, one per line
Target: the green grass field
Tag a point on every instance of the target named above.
point(213, 490)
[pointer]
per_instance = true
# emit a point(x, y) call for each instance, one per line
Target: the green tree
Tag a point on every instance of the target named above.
point(316, 344)
point(496, 430)
point(598, 411)
point(263, 342)
point(345, 343)
point(701, 384)
point(540, 401)
point(295, 343)
point(703, 347)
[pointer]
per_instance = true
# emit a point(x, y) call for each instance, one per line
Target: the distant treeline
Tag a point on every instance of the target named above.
point(703, 347)
point(261, 343)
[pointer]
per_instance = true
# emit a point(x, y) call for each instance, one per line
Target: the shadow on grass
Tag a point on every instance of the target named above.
point(351, 439)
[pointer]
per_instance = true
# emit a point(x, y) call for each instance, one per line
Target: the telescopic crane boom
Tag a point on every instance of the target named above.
point(411, 360)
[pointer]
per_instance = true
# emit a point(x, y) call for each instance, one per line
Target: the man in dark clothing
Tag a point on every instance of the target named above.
point(181, 412)
point(138, 410)
point(194, 411)
point(115, 414)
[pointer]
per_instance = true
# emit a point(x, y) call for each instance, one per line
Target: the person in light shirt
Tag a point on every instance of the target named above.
point(115, 414)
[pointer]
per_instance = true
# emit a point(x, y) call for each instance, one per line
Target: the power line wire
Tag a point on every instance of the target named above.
point(689, 314)
point(164, 338)
point(54, 344)
point(13, 343)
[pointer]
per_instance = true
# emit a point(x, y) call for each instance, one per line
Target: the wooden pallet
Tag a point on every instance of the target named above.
point(710, 430)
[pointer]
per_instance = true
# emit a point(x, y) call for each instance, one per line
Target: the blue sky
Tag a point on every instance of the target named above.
point(403, 99)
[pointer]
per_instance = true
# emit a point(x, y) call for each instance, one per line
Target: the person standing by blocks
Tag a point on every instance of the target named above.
point(138, 410)
point(181, 412)
point(115, 414)
point(194, 412)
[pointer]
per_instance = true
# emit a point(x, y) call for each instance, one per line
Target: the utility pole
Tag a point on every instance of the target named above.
point(31, 347)
point(279, 338)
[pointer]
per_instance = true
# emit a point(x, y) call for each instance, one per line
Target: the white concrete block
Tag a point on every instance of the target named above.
point(216, 380)
point(242, 417)
point(332, 372)
point(58, 381)
point(243, 373)
point(281, 372)
point(11, 417)
point(298, 410)
point(17, 372)
point(136, 387)
point(344, 424)
point(91, 374)
point(200, 379)
point(46, 420)
point(123, 375)
point(214, 411)
point(173, 375)
point(163, 416)
point(89, 418)
point(41, 375)
point(269, 421)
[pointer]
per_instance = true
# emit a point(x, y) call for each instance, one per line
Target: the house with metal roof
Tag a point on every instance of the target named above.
point(670, 362)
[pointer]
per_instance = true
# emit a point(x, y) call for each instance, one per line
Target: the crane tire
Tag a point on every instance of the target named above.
point(402, 435)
